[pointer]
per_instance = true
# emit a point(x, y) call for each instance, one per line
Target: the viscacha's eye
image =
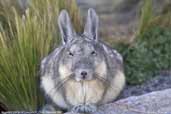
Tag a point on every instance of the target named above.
point(71, 54)
point(93, 53)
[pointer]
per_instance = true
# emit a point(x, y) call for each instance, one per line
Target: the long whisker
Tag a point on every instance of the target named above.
point(104, 80)
point(101, 78)
point(61, 83)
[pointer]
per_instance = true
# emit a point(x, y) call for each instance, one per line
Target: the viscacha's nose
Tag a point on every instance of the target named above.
point(84, 74)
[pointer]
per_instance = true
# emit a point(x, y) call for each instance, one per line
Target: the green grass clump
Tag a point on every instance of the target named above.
point(148, 55)
point(24, 41)
point(146, 16)
point(149, 19)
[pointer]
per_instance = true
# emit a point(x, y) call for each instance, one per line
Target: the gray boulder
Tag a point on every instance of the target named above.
point(158, 102)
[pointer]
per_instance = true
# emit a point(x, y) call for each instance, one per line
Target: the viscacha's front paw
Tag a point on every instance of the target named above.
point(89, 108)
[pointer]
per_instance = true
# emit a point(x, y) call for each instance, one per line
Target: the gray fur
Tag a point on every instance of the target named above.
point(92, 25)
point(65, 26)
point(83, 70)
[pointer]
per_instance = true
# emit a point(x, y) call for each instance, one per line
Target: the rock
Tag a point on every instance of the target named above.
point(119, 19)
point(158, 83)
point(158, 102)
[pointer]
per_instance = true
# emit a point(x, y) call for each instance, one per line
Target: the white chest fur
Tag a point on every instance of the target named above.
point(48, 85)
point(86, 92)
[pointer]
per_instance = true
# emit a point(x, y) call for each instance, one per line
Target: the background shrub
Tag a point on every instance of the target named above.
point(148, 55)
point(150, 51)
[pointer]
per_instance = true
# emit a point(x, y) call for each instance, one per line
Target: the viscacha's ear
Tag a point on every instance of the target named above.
point(65, 27)
point(92, 25)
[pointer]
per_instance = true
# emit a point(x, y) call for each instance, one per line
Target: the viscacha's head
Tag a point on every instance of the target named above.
point(82, 57)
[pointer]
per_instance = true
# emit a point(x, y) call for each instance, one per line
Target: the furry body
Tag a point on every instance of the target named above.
point(83, 71)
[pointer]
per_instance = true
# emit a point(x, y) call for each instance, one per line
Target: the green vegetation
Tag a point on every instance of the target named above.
point(146, 15)
point(148, 55)
point(150, 52)
point(24, 41)
point(148, 19)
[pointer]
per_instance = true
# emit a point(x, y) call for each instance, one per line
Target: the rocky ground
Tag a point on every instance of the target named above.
point(160, 82)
